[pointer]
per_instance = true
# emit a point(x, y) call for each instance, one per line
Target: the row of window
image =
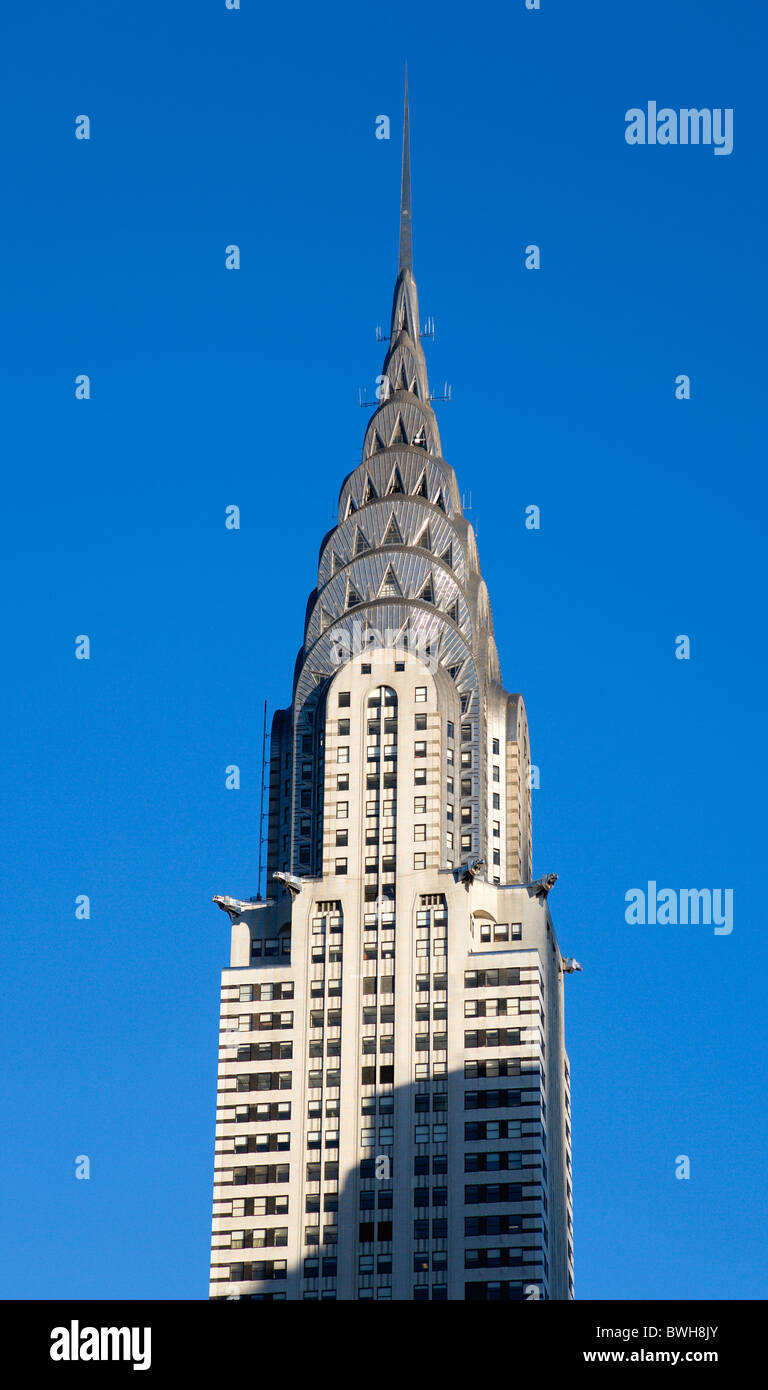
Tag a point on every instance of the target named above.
point(483, 979)
point(495, 1100)
point(264, 1269)
point(274, 989)
point(272, 946)
point(261, 1023)
point(492, 1037)
point(264, 1052)
point(498, 931)
point(312, 1235)
point(492, 1008)
point(258, 1238)
point(499, 1258)
point(421, 1135)
point(270, 1110)
point(492, 1068)
point(498, 1162)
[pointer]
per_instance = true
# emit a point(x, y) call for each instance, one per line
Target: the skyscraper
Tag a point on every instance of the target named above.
point(393, 1099)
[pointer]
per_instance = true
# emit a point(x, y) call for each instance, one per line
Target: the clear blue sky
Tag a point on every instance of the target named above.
point(209, 387)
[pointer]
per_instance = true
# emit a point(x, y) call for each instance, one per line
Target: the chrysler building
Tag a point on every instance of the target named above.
point(393, 1110)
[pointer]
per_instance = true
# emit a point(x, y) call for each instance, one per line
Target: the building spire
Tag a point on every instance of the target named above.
point(406, 247)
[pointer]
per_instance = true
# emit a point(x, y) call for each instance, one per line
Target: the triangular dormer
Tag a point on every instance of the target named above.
point(361, 542)
point(446, 556)
point(422, 490)
point(353, 598)
point(369, 492)
point(395, 483)
point(399, 435)
point(390, 587)
point(392, 536)
point(427, 594)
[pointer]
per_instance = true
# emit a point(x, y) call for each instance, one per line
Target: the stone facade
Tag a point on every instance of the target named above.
point(393, 1107)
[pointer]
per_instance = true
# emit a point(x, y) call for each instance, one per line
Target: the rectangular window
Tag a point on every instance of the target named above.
point(495, 746)
point(419, 776)
point(341, 866)
point(420, 750)
point(343, 753)
point(342, 837)
point(419, 861)
point(420, 721)
point(344, 728)
point(419, 805)
point(342, 810)
point(344, 699)
point(449, 729)
point(496, 773)
point(420, 694)
point(420, 832)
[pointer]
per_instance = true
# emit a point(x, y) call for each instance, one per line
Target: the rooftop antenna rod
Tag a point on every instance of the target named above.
point(261, 802)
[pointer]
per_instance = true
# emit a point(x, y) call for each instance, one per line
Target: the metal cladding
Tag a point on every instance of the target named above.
point(400, 568)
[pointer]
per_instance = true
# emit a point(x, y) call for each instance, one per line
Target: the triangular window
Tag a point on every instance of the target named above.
point(369, 492)
point(404, 384)
point(390, 588)
point(422, 490)
point(439, 502)
point(393, 536)
point(425, 539)
point(420, 437)
point(335, 562)
point(453, 612)
point(325, 620)
point(446, 555)
point(395, 483)
point(378, 442)
point(353, 597)
point(399, 436)
point(427, 594)
point(361, 544)
point(350, 508)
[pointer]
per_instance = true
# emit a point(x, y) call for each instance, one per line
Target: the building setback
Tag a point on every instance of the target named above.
point(393, 1114)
